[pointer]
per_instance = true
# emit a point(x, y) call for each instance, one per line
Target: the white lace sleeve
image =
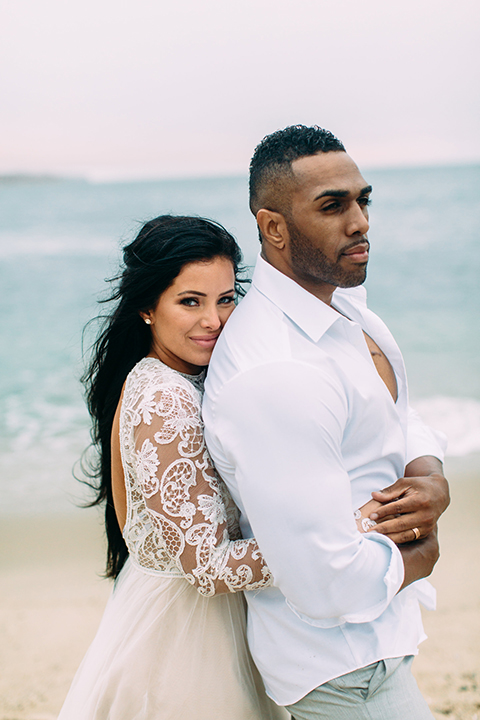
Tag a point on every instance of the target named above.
point(184, 497)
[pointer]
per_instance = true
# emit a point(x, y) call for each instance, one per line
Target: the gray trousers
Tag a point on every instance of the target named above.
point(385, 690)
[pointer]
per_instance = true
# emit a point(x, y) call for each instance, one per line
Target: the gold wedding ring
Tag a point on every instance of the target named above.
point(416, 532)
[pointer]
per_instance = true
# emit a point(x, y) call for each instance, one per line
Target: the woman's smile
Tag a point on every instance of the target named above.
point(206, 341)
point(190, 314)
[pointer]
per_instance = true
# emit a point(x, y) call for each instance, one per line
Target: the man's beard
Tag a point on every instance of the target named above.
point(311, 264)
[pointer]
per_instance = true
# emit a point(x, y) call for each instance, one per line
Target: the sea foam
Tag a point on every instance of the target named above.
point(458, 418)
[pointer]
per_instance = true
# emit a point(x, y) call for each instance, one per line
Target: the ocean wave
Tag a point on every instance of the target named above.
point(41, 442)
point(458, 418)
point(59, 424)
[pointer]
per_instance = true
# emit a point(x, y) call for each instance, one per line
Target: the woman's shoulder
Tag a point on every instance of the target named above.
point(152, 376)
point(154, 389)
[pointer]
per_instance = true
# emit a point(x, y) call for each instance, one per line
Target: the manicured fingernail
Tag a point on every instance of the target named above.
point(373, 516)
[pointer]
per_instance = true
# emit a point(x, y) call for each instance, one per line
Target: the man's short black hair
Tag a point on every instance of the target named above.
point(270, 167)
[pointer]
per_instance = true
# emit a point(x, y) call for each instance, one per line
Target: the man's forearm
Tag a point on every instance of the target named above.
point(425, 465)
point(419, 558)
point(429, 466)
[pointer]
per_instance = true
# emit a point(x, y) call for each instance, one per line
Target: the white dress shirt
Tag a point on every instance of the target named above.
point(303, 429)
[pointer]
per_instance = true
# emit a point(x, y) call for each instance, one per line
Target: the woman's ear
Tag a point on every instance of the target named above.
point(273, 228)
point(146, 317)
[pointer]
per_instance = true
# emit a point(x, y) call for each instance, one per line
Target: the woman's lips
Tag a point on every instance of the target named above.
point(205, 341)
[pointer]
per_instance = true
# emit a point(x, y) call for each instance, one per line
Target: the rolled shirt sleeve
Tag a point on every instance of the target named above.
point(423, 440)
point(292, 485)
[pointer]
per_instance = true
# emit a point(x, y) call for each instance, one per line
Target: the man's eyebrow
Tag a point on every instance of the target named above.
point(342, 193)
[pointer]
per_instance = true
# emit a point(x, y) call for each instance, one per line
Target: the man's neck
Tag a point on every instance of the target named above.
point(322, 291)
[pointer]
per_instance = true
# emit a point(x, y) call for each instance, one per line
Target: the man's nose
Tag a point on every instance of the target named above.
point(358, 221)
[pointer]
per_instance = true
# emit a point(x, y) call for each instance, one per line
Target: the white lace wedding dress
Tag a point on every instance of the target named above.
point(171, 644)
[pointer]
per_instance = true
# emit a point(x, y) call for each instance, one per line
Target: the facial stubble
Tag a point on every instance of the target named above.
point(312, 265)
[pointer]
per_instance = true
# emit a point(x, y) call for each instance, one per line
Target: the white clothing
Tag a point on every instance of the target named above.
point(169, 645)
point(163, 651)
point(302, 429)
point(181, 521)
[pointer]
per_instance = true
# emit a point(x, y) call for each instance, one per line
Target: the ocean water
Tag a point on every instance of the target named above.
point(60, 239)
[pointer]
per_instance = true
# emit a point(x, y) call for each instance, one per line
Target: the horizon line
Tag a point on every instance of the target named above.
point(97, 175)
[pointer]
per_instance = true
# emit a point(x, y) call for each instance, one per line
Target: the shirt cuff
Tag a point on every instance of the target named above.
point(423, 440)
point(392, 580)
point(425, 593)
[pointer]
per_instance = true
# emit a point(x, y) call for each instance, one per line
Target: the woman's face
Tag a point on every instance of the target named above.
point(190, 315)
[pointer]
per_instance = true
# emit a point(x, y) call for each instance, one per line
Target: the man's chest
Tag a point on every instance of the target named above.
point(351, 361)
point(383, 366)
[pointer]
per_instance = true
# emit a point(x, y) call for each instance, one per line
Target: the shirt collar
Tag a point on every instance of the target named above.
point(312, 315)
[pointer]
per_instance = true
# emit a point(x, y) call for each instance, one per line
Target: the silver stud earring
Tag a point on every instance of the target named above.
point(148, 321)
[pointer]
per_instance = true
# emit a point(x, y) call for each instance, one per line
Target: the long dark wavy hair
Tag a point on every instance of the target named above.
point(150, 265)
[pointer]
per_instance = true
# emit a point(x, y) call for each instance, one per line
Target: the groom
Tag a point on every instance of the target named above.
point(306, 414)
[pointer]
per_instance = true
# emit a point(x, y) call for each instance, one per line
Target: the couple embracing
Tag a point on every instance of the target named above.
point(306, 485)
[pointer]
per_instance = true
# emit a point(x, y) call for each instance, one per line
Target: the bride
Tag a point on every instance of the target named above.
point(172, 643)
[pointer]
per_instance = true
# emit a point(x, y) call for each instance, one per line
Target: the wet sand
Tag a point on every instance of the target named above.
point(447, 667)
point(52, 598)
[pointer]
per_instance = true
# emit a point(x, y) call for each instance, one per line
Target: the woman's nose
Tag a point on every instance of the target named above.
point(211, 318)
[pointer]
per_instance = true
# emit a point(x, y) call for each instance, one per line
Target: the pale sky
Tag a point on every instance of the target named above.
point(118, 88)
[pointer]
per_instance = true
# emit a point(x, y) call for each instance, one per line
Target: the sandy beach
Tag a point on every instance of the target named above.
point(52, 597)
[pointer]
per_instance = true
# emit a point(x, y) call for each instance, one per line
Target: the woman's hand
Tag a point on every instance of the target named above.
point(363, 516)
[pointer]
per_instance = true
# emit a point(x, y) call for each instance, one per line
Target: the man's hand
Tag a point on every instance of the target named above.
point(415, 501)
point(419, 558)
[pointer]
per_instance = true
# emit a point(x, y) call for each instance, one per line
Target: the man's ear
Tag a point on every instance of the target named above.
point(273, 228)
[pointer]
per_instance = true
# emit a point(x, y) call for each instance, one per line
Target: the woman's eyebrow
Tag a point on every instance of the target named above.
point(192, 292)
point(197, 292)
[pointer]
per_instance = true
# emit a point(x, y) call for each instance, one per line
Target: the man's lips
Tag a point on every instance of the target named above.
point(205, 341)
point(358, 253)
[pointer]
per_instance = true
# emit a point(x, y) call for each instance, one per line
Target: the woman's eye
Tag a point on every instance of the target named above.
point(227, 300)
point(189, 302)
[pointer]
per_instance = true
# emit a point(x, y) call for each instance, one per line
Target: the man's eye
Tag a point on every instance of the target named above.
point(365, 201)
point(331, 206)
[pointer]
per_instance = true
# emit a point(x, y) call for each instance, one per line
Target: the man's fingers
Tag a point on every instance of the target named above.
point(392, 491)
point(402, 524)
point(401, 529)
point(400, 506)
point(401, 538)
point(409, 500)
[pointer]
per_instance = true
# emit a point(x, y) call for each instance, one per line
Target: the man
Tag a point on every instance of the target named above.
point(306, 415)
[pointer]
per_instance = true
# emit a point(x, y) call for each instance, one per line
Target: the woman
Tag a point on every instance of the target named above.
point(171, 644)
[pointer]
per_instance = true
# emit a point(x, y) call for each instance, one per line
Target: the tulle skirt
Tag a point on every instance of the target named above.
point(164, 652)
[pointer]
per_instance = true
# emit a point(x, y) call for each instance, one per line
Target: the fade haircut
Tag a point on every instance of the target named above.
point(271, 165)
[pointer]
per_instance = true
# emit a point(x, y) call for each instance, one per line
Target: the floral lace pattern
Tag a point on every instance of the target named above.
point(181, 520)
